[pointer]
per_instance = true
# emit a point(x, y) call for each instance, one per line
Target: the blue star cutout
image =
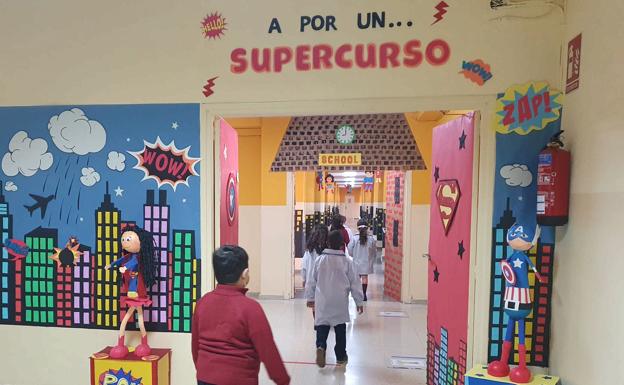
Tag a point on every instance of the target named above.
point(462, 140)
point(436, 275)
point(461, 250)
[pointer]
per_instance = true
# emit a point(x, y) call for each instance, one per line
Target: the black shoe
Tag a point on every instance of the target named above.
point(365, 298)
point(320, 357)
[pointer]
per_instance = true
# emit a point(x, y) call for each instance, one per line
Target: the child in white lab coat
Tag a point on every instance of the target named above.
point(363, 250)
point(327, 291)
point(314, 247)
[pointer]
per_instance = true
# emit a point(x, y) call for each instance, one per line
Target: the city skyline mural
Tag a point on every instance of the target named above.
point(73, 179)
point(515, 201)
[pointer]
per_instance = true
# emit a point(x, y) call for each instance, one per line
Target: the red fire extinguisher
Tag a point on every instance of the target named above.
point(553, 183)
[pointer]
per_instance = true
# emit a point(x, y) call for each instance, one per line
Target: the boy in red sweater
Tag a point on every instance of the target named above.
point(230, 332)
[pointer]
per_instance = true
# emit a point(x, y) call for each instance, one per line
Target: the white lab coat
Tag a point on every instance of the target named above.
point(307, 265)
point(329, 285)
point(363, 255)
point(350, 232)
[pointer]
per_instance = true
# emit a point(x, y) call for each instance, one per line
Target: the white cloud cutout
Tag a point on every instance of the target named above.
point(10, 186)
point(517, 175)
point(89, 176)
point(73, 132)
point(116, 161)
point(26, 156)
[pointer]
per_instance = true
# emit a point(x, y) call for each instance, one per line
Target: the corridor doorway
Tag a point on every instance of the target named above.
point(354, 195)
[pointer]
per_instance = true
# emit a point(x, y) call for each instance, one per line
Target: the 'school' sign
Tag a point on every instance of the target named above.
point(354, 159)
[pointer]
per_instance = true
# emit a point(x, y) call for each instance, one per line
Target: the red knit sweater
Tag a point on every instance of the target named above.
point(230, 336)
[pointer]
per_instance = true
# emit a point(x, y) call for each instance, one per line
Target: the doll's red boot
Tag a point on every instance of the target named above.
point(143, 349)
point(521, 374)
point(119, 351)
point(501, 368)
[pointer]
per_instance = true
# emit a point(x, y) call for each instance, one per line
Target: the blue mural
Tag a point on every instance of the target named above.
point(73, 178)
point(515, 201)
point(52, 158)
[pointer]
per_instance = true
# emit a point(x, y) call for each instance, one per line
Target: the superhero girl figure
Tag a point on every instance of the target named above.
point(329, 183)
point(517, 302)
point(138, 269)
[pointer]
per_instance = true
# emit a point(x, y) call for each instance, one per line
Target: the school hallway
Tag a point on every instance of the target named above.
point(371, 341)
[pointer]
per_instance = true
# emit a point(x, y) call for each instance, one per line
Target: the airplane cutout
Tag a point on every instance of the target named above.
point(42, 204)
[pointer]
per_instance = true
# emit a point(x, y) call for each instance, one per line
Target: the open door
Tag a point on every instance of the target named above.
point(393, 269)
point(227, 175)
point(449, 250)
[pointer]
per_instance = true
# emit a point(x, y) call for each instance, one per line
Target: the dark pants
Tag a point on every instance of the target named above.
point(322, 332)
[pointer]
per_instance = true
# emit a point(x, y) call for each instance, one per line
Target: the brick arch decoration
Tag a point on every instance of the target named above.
point(384, 140)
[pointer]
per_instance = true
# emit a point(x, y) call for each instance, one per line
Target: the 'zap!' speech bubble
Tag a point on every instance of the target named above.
point(166, 164)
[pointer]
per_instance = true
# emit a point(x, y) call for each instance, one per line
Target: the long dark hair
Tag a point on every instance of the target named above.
point(318, 239)
point(363, 228)
point(337, 222)
point(147, 256)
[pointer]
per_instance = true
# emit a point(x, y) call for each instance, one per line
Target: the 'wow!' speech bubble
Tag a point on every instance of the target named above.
point(166, 164)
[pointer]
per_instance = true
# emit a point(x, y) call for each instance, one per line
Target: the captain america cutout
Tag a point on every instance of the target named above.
point(517, 300)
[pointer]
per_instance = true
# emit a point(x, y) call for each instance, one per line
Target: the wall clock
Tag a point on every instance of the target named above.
point(345, 134)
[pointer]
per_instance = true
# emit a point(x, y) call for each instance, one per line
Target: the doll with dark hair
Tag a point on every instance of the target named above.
point(138, 268)
point(330, 183)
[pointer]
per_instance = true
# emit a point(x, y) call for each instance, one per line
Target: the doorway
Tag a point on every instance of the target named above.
point(412, 249)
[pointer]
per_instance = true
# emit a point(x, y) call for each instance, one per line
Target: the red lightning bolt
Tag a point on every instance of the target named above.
point(208, 87)
point(441, 7)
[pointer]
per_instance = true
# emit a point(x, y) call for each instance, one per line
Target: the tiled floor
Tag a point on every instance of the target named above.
point(371, 341)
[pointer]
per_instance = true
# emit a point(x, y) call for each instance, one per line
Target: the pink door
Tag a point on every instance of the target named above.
point(393, 267)
point(449, 251)
point(229, 184)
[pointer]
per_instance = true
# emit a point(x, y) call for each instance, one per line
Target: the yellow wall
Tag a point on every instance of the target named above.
point(273, 183)
point(259, 140)
point(249, 153)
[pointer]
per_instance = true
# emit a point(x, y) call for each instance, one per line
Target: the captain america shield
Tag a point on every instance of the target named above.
point(231, 199)
point(508, 273)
